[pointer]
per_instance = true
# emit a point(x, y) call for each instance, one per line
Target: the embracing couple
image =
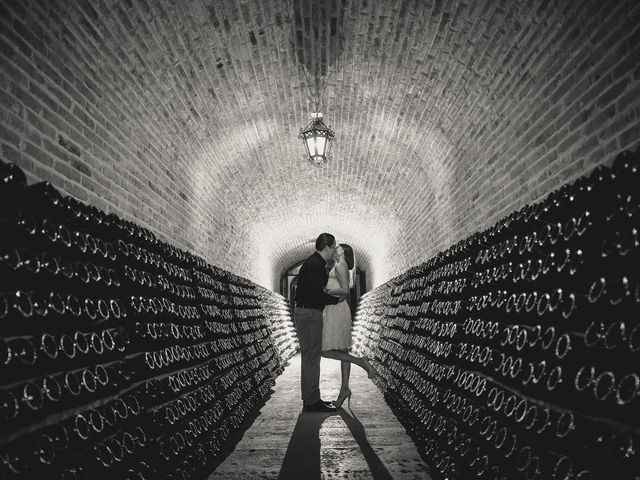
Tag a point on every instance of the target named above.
point(323, 320)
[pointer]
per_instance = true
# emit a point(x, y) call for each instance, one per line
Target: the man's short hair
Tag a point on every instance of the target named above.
point(325, 240)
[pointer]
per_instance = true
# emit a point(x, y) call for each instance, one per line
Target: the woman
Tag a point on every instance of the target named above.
point(336, 331)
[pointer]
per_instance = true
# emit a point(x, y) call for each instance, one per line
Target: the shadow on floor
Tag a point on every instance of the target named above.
point(377, 468)
point(302, 459)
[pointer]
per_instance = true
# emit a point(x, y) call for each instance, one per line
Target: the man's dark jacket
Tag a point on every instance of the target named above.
point(312, 279)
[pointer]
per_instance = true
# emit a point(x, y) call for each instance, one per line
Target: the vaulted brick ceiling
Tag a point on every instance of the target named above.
point(448, 114)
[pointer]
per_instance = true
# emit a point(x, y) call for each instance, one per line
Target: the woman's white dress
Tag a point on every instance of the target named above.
point(336, 331)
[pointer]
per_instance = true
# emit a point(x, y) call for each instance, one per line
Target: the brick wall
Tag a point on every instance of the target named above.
point(183, 116)
point(80, 109)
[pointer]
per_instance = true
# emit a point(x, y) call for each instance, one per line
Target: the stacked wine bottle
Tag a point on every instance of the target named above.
point(515, 353)
point(121, 355)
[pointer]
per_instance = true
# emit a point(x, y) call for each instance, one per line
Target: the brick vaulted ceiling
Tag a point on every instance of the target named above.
point(184, 115)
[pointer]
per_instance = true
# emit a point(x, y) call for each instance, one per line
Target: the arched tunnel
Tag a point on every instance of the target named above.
point(170, 129)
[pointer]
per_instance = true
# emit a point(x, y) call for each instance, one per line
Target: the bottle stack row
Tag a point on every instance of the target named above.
point(121, 355)
point(515, 353)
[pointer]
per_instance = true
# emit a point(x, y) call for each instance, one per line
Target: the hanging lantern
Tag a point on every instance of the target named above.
point(317, 138)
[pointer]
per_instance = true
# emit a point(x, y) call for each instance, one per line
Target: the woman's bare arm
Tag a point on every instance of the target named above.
point(342, 273)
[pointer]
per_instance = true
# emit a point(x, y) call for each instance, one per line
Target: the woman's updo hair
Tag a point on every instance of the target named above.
point(348, 256)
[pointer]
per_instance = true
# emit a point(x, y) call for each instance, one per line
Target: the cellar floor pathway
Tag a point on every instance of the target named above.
point(364, 442)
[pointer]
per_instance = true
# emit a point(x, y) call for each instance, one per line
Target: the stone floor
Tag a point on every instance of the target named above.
point(364, 442)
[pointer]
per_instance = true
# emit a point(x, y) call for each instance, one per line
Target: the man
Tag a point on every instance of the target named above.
point(310, 301)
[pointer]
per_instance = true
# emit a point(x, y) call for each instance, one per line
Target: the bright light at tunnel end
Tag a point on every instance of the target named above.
point(276, 242)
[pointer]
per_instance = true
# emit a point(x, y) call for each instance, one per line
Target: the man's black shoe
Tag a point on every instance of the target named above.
point(328, 404)
point(319, 406)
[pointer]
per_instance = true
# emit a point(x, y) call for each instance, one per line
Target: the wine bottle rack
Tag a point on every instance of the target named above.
point(515, 353)
point(121, 355)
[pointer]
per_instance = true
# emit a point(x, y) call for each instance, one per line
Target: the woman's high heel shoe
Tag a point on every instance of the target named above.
point(371, 372)
point(344, 394)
